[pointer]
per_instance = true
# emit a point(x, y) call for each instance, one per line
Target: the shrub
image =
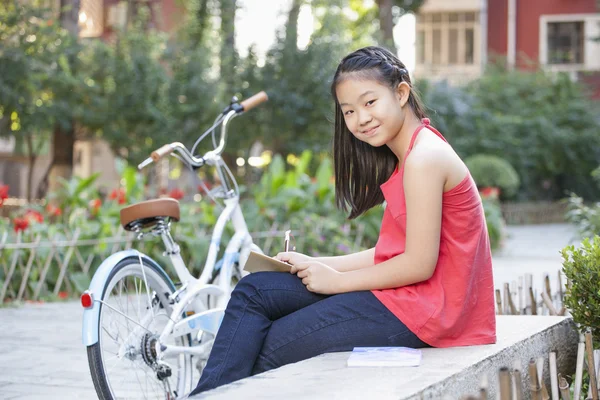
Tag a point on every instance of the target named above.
point(585, 217)
point(492, 171)
point(582, 268)
point(495, 222)
point(543, 124)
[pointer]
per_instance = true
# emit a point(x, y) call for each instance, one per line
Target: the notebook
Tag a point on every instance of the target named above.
point(384, 357)
point(259, 262)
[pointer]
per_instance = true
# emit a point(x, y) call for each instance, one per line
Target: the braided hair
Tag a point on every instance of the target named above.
point(360, 168)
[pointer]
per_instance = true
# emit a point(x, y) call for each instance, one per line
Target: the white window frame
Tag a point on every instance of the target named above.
point(444, 26)
point(93, 23)
point(591, 61)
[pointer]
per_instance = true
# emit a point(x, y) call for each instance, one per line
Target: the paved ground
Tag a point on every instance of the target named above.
point(533, 249)
point(41, 355)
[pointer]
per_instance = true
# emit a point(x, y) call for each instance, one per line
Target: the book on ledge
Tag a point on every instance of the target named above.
point(384, 357)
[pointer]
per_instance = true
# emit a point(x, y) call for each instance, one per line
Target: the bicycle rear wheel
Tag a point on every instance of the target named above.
point(135, 309)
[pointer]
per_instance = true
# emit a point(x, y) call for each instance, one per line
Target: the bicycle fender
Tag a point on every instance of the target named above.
point(89, 333)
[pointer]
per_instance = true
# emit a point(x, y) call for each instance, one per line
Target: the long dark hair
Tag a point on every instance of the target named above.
point(359, 167)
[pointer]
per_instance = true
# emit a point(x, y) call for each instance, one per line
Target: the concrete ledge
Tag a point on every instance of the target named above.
point(444, 373)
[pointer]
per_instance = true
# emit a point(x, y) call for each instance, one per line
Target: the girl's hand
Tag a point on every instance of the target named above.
point(293, 258)
point(319, 278)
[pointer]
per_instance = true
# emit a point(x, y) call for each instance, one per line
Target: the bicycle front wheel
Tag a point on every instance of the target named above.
point(134, 310)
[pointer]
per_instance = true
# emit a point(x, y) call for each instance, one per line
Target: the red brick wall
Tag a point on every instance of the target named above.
point(172, 15)
point(528, 22)
point(497, 28)
point(591, 81)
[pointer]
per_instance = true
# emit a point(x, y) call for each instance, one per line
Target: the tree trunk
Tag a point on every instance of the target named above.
point(31, 157)
point(291, 28)
point(63, 140)
point(228, 53)
point(202, 17)
point(386, 24)
point(69, 15)
point(63, 143)
point(131, 13)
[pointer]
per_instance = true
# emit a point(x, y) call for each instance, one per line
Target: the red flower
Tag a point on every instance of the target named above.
point(207, 184)
point(34, 216)
point(490, 192)
point(21, 224)
point(95, 206)
point(63, 295)
point(119, 195)
point(3, 193)
point(177, 194)
point(53, 210)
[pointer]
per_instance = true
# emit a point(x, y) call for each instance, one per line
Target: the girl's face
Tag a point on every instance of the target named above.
point(373, 112)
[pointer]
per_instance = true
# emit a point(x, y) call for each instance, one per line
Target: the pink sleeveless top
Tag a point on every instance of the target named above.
point(455, 307)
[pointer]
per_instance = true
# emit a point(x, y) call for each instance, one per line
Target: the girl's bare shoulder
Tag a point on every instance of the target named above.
point(431, 153)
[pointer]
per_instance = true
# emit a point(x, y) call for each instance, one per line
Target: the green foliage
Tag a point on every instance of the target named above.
point(586, 217)
point(300, 111)
point(145, 89)
point(493, 171)
point(544, 125)
point(495, 222)
point(48, 78)
point(285, 198)
point(38, 86)
point(582, 267)
point(291, 199)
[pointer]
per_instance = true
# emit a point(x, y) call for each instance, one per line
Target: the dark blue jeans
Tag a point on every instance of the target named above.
point(272, 320)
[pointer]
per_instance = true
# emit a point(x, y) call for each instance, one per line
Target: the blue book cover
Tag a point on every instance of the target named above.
point(384, 357)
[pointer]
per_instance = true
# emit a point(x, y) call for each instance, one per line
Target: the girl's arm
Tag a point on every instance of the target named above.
point(350, 262)
point(424, 179)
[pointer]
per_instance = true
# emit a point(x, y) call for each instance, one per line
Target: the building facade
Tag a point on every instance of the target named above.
point(456, 39)
point(450, 40)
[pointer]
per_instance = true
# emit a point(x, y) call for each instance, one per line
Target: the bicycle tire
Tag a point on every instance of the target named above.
point(161, 286)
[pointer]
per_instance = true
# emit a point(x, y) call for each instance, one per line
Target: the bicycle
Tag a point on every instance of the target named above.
point(143, 334)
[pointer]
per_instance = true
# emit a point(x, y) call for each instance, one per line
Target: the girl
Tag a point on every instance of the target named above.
point(428, 280)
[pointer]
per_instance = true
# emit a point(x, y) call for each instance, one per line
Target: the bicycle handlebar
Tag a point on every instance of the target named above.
point(160, 153)
point(254, 101)
point(196, 162)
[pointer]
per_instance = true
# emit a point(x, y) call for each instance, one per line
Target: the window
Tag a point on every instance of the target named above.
point(437, 47)
point(447, 38)
point(91, 18)
point(453, 46)
point(420, 53)
point(565, 42)
point(469, 46)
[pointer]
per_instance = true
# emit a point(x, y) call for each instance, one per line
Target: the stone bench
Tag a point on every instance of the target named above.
point(443, 373)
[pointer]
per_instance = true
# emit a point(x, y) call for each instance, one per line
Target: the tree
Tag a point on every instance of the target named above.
point(228, 52)
point(389, 11)
point(36, 81)
point(300, 111)
point(63, 136)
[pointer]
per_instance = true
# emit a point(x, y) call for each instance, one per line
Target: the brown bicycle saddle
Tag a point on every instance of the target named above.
point(148, 213)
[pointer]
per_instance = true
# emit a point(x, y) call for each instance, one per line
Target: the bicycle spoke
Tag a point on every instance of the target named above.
point(145, 280)
point(134, 310)
point(138, 302)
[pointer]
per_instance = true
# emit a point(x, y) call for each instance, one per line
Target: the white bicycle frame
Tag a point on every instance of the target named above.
point(191, 298)
point(194, 290)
